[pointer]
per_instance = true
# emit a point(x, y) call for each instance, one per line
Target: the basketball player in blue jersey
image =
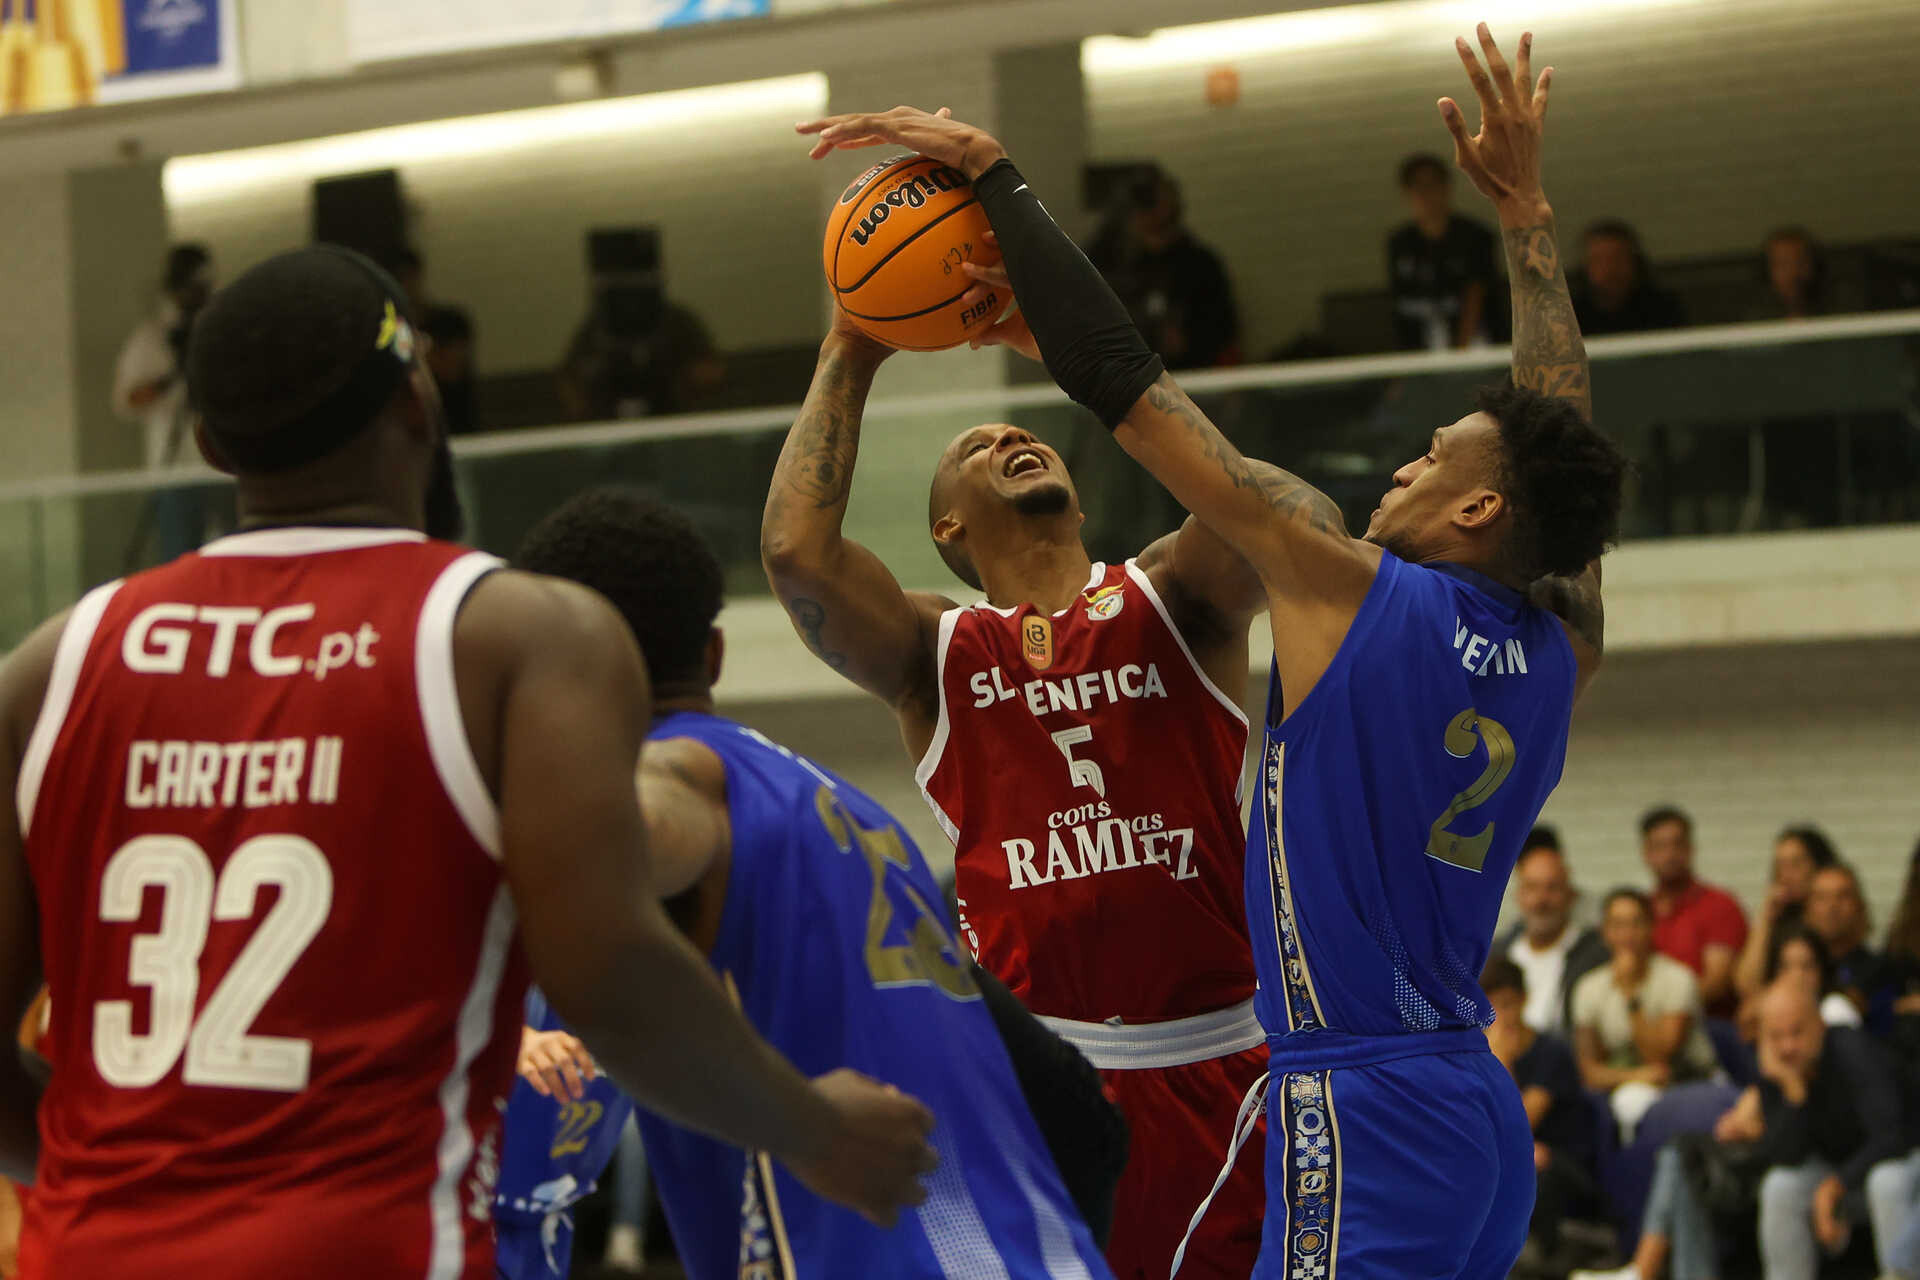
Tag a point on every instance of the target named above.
point(562, 1123)
point(824, 920)
point(1424, 677)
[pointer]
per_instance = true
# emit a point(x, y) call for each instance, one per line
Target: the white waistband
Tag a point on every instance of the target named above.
point(1143, 1046)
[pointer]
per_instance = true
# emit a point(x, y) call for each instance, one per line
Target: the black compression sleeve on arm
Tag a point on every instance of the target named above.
point(1090, 345)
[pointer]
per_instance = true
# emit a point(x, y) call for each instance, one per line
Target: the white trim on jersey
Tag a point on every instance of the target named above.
point(69, 657)
point(440, 700)
point(943, 727)
point(306, 541)
point(448, 1259)
point(1093, 580)
point(1145, 584)
point(1057, 1252)
point(1150, 1046)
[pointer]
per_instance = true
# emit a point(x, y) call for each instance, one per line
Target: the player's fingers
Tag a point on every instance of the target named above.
point(944, 113)
point(531, 1074)
point(993, 275)
point(1481, 85)
point(1523, 67)
point(1497, 64)
point(1540, 95)
point(1456, 122)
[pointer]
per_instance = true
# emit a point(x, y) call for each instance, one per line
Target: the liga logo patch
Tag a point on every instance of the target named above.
point(1105, 603)
point(1036, 642)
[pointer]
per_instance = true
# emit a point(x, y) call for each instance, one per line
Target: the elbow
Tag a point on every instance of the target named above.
point(791, 560)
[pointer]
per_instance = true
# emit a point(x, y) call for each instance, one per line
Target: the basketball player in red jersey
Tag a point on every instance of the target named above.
point(274, 821)
point(1078, 737)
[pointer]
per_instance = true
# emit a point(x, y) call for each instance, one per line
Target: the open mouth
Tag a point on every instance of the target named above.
point(1022, 461)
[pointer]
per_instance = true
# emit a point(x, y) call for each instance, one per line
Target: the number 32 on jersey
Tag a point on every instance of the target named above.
point(216, 1044)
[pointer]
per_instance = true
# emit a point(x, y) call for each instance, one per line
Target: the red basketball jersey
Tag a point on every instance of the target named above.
point(1089, 775)
point(283, 959)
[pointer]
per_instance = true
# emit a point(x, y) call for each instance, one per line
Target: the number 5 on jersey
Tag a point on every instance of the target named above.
point(1085, 773)
point(218, 1049)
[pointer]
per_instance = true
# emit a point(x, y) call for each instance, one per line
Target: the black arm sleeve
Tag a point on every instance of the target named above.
point(1088, 341)
point(1084, 1131)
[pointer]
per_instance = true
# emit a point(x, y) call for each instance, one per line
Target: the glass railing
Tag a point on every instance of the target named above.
point(1733, 430)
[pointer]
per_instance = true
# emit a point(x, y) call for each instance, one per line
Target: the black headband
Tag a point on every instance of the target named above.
point(352, 406)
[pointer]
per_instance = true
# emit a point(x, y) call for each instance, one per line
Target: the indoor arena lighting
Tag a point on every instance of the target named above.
point(220, 174)
point(1396, 22)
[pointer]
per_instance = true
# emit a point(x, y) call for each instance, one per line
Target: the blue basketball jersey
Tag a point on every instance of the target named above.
point(551, 1155)
point(1392, 806)
point(833, 938)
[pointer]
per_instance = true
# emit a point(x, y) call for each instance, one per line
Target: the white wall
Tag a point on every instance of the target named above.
point(1703, 122)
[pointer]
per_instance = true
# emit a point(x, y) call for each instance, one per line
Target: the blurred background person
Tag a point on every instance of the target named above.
point(1637, 1021)
point(1698, 924)
point(1798, 955)
point(150, 391)
point(450, 351)
point(1837, 911)
point(1614, 292)
point(1175, 287)
point(1551, 949)
point(1796, 269)
point(1798, 852)
point(637, 354)
point(1441, 266)
point(1551, 1090)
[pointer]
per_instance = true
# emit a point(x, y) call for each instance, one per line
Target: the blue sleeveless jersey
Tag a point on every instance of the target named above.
point(1392, 806)
point(553, 1152)
point(833, 938)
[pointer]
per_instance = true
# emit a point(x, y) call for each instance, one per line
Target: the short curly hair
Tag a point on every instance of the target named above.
point(1563, 477)
point(648, 560)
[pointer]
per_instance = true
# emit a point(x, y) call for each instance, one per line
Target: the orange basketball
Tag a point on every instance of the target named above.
point(895, 242)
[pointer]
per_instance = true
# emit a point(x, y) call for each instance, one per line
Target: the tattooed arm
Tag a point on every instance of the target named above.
point(843, 601)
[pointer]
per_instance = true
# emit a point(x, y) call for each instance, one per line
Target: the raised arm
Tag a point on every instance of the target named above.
point(844, 603)
point(1549, 355)
point(551, 676)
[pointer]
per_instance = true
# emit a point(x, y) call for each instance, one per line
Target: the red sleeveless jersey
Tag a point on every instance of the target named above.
point(1089, 774)
point(287, 988)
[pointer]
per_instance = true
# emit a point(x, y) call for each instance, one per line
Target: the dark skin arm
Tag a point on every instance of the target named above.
point(844, 603)
point(23, 687)
point(556, 703)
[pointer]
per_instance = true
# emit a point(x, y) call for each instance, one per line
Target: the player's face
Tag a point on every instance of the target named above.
point(1432, 491)
point(997, 468)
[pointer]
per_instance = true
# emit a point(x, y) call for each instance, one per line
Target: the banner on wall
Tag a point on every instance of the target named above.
point(59, 54)
point(386, 29)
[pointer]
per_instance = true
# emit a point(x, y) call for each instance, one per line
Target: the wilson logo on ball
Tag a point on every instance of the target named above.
point(911, 194)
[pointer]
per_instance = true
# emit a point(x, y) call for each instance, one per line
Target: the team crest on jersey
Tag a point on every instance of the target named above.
point(1036, 641)
point(1105, 603)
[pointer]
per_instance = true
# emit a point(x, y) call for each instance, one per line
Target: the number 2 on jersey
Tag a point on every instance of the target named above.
point(930, 957)
point(218, 1049)
point(1465, 732)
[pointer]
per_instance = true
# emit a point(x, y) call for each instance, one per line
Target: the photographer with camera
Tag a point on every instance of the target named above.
point(150, 390)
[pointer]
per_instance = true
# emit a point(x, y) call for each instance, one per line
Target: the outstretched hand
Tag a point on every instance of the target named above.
point(1503, 159)
point(936, 135)
point(1012, 330)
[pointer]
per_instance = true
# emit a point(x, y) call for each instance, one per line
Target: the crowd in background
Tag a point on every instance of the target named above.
point(1709, 1080)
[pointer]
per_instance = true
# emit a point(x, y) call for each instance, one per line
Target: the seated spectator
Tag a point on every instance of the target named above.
point(1553, 952)
point(615, 368)
point(1556, 1106)
point(1175, 287)
point(1697, 924)
point(1837, 911)
point(1440, 265)
point(1902, 961)
point(1798, 852)
point(1637, 1021)
point(1798, 955)
point(1796, 276)
point(1824, 1131)
point(1613, 292)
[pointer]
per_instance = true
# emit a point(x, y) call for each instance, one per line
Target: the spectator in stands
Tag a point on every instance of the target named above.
point(451, 349)
point(1637, 1021)
point(1440, 265)
point(667, 367)
point(1614, 290)
point(1798, 852)
point(1902, 959)
point(1798, 955)
point(1550, 1089)
point(150, 391)
point(1837, 911)
point(1175, 287)
point(1825, 1131)
point(1796, 276)
point(1551, 950)
point(1695, 923)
